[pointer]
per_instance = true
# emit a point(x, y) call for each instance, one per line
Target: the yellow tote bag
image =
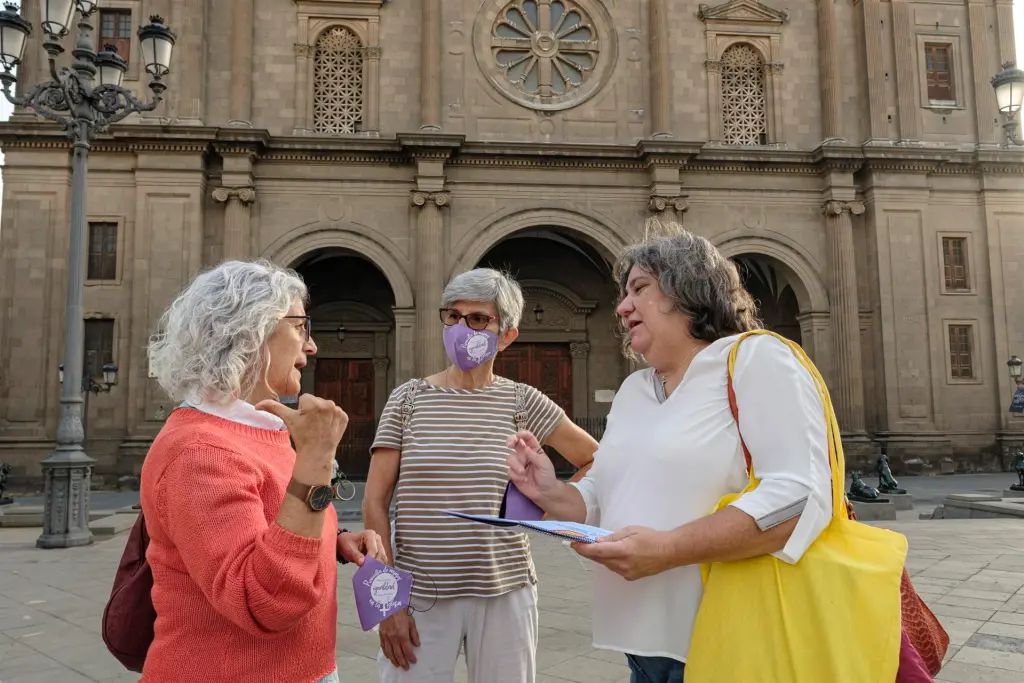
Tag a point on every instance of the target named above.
point(834, 617)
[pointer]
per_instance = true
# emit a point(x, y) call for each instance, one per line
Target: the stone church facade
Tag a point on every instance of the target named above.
point(847, 153)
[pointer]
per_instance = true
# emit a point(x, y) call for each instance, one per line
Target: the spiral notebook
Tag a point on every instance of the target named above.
point(518, 510)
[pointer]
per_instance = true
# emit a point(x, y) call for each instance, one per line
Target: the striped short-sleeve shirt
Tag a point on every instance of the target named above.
point(453, 456)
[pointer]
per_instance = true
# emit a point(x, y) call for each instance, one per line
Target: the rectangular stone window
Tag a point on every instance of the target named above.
point(954, 263)
point(939, 71)
point(99, 346)
point(102, 251)
point(116, 30)
point(961, 352)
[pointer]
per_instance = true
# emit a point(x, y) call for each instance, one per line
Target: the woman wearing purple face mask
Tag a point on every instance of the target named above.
point(441, 444)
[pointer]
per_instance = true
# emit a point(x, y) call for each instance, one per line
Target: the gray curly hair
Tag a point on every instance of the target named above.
point(210, 344)
point(702, 284)
point(487, 284)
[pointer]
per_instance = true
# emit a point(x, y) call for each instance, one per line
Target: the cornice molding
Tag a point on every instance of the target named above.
point(454, 150)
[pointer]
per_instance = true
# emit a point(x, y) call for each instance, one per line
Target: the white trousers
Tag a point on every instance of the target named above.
point(499, 635)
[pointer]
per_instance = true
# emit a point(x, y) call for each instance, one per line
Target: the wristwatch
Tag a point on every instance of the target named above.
point(318, 496)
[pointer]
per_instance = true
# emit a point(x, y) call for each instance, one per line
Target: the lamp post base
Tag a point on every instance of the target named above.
point(68, 479)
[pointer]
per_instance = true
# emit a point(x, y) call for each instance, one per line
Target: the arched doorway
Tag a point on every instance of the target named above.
point(351, 306)
point(769, 283)
point(568, 346)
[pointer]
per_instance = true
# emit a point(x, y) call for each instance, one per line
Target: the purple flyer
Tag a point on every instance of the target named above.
point(380, 591)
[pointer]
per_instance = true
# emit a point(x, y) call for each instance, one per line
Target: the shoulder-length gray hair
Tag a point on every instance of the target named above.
point(210, 344)
point(702, 284)
point(487, 284)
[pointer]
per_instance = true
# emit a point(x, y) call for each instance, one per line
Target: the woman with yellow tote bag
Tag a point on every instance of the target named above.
point(672, 450)
point(833, 616)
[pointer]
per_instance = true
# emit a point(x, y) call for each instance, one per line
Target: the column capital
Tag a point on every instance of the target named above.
point(659, 203)
point(579, 349)
point(713, 65)
point(421, 199)
point(303, 50)
point(245, 195)
point(381, 364)
point(834, 207)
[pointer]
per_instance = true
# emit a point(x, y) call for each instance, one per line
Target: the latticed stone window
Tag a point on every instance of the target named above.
point(338, 82)
point(743, 101)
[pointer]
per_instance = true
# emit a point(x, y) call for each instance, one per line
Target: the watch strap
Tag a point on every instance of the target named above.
point(299, 490)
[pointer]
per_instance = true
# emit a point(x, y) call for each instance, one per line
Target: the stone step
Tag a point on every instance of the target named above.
point(981, 506)
point(22, 516)
point(112, 525)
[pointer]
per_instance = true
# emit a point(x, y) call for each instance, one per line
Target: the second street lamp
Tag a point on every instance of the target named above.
point(83, 108)
point(1009, 87)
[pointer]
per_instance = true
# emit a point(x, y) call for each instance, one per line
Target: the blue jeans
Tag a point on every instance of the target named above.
point(654, 669)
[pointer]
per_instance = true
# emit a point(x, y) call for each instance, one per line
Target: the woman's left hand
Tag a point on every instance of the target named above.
point(634, 552)
point(355, 547)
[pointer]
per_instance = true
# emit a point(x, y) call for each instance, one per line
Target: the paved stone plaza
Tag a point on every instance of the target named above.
point(971, 572)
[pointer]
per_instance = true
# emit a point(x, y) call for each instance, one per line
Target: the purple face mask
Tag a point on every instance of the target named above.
point(380, 591)
point(469, 349)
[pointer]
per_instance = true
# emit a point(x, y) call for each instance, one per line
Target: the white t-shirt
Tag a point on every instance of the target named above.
point(663, 464)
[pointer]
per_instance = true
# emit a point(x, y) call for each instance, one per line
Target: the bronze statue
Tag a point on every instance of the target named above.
point(1018, 467)
point(886, 482)
point(5, 469)
point(862, 492)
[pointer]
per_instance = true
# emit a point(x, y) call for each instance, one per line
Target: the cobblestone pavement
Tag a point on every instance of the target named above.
point(971, 572)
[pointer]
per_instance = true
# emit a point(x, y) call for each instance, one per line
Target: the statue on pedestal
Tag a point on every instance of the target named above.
point(5, 469)
point(1018, 467)
point(861, 492)
point(886, 482)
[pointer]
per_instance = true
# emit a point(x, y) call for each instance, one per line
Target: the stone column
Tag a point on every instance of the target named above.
point(430, 274)
point(875, 70)
point(430, 67)
point(906, 70)
point(668, 208)
point(188, 94)
point(848, 384)
point(580, 352)
point(405, 336)
point(237, 220)
point(1007, 46)
point(828, 60)
point(380, 382)
point(240, 105)
point(986, 113)
point(661, 74)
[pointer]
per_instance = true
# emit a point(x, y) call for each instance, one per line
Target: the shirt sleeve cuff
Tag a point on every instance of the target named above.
point(290, 543)
point(586, 488)
point(812, 522)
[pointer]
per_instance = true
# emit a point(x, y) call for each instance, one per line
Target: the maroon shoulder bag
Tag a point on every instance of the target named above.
point(129, 615)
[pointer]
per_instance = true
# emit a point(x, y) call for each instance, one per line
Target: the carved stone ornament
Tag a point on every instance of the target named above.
point(579, 349)
point(745, 11)
point(423, 198)
point(245, 195)
point(836, 208)
point(545, 54)
point(659, 203)
point(713, 66)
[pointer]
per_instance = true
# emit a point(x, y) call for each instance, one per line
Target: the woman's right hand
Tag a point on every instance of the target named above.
point(530, 469)
point(399, 639)
point(316, 428)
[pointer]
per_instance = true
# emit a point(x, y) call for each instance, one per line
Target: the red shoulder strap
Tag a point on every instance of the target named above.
point(736, 416)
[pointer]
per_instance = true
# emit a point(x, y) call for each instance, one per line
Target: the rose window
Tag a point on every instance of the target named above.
point(547, 54)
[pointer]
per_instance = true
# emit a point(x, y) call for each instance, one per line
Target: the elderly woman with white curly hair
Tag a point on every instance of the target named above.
point(244, 540)
point(441, 444)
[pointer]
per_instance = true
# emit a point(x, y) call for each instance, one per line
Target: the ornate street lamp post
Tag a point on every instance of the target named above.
point(84, 99)
point(1009, 87)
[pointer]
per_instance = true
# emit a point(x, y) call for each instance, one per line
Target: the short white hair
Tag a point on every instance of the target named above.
point(487, 284)
point(210, 344)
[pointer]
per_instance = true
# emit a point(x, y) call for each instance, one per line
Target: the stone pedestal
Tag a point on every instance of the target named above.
point(1012, 493)
point(871, 512)
point(900, 501)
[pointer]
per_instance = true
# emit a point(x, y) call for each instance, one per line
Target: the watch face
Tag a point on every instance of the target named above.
point(320, 497)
